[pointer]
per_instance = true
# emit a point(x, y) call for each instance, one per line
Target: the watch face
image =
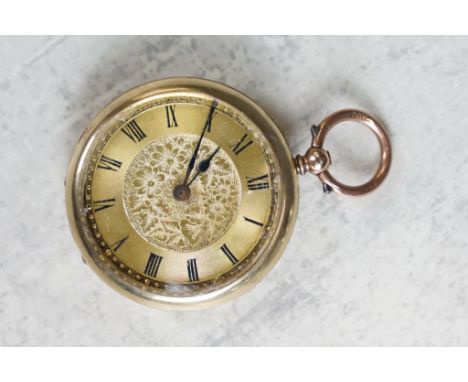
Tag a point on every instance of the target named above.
point(182, 194)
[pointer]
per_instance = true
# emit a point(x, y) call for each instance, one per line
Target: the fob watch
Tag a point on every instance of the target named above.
point(182, 193)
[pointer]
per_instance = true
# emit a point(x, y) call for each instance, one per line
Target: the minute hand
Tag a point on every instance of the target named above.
point(191, 165)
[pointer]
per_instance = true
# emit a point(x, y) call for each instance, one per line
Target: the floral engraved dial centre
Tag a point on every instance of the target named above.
point(181, 225)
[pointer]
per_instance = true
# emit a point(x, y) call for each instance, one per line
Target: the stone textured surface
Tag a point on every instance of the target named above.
point(387, 269)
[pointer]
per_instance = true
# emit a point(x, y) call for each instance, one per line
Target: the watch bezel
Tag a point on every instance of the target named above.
point(287, 199)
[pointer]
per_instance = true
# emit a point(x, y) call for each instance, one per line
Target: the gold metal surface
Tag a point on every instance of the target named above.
point(185, 225)
point(126, 227)
point(317, 160)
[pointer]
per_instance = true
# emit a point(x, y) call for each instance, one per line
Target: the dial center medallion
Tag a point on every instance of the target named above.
point(174, 216)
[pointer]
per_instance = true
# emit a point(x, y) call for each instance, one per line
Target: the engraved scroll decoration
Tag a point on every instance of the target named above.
point(181, 225)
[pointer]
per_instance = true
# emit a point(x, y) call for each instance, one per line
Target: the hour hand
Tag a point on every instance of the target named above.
point(204, 165)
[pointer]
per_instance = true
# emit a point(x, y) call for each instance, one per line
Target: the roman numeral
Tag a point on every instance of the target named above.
point(192, 270)
point(133, 131)
point(118, 244)
point(214, 104)
point(229, 254)
point(241, 145)
point(152, 266)
point(170, 116)
point(100, 205)
point(252, 221)
point(258, 183)
point(107, 163)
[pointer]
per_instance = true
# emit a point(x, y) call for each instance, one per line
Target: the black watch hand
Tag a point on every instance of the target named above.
point(191, 165)
point(203, 166)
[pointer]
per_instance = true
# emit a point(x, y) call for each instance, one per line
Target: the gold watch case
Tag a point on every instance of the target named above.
point(99, 256)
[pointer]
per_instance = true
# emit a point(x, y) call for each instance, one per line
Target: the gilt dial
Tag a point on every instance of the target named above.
point(181, 193)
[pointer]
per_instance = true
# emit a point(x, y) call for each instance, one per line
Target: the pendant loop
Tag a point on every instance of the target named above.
point(317, 160)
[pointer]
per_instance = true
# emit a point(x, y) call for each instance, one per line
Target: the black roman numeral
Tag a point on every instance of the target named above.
point(192, 270)
point(152, 266)
point(241, 145)
point(258, 183)
point(229, 254)
point(133, 131)
point(213, 107)
point(118, 244)
point(252, 221)
point(170, 116)
point(107, 163)
point(100, 205)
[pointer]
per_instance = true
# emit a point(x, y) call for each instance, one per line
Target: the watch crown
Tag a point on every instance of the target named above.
point(315, 161)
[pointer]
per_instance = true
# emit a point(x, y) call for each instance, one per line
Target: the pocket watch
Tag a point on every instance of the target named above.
point(182, 193)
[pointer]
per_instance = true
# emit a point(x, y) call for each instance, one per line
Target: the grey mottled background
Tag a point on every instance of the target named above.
point(387, 269)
